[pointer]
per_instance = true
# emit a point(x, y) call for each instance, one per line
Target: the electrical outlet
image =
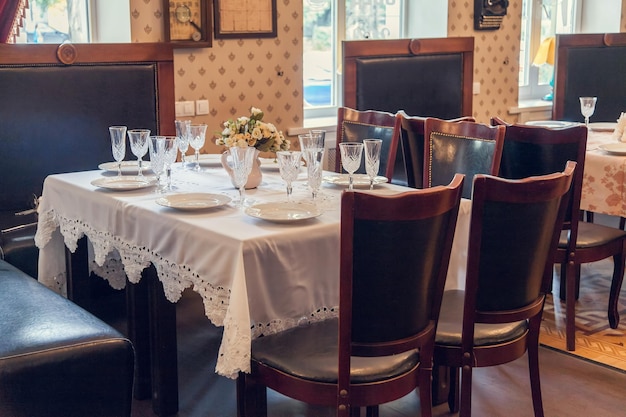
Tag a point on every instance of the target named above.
point(185, 108)
point(476, 88)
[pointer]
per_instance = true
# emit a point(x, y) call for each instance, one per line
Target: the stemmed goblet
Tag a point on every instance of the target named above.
point(197, 136)
point(312, 145)
point(139, 145)
point(372, 158)
point(157, 157)
point(289, 165)
point(118, 145)
point(587, 107)
point(241, 160)
point(351, 159)
point(182, 133)
point(170, 151)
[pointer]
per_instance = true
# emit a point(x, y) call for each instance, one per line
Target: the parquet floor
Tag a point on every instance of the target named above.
point(595, 340)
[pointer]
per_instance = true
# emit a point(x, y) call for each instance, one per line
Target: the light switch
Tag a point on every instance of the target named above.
point(202, 106)
point(189, 108)
point(476, 88)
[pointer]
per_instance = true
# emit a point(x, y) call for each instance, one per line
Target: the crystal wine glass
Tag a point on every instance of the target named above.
point(241, 159)
point(351, 158)
point(139, 145)
point(587, 107)
point(170, 151)
point(182, 133)
point(312, 145)
point(197, 136)
point(118, 145)
point(157, 157)
point(372, 158)
point(289, 166)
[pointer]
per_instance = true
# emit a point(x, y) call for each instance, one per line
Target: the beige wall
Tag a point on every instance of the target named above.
point(235, 75)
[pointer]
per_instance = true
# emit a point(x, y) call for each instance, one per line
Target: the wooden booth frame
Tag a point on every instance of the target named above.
point(245, 19)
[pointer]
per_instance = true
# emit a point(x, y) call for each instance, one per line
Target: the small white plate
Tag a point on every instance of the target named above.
point(551, 124)
point(284, 212)
point(128, 167)
point(602, 126)
point(206, 160)
point(617, 148)
point(193, 201)
point(358, 180)
point(124, 182)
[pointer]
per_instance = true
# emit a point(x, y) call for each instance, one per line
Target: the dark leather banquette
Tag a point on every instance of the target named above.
point(56, 103)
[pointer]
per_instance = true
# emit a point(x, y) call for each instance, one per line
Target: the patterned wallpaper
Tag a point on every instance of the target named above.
point(267, 73)
point(235, 74)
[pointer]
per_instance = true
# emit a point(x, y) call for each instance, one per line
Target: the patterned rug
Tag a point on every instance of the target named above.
point(595, 340)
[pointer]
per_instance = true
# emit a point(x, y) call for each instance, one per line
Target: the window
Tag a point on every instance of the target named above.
point(542, 19)
point(326, 24)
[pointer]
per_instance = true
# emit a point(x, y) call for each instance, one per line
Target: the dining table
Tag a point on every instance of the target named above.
point(257, 273)
point(604, 178)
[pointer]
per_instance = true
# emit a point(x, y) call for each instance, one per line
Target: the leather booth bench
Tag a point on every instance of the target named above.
point(56, 104)
point(56, 359)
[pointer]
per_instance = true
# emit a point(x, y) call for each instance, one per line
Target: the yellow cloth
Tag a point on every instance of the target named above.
point(545, 54)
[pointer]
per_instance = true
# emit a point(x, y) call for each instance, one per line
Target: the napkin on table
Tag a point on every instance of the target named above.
point(619, 133)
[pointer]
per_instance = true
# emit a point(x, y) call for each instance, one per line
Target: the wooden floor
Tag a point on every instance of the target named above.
point(571, 386)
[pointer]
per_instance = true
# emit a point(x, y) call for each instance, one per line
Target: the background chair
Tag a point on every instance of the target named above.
point(530, 150)
point(380, 348)
point(411, 145)
point(460, 147)
point(354, 126)
point(514, 230)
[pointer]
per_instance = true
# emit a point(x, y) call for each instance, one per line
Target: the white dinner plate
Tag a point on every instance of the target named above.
point(124, 182)
point(207, 160)
point(193, 201)
point(358, 180)
point(284, 212)
point(617, 148)
point(128, 167)
point(603, 126)
point(552, 124)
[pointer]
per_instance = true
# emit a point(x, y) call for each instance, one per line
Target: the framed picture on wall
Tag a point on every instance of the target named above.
point(188, 23)
point(245, 19)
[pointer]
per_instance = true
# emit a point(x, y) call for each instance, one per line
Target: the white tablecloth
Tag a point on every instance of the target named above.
point(255, 277)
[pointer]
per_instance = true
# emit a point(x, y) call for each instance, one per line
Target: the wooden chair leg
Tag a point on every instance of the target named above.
point(425, 376)
point(466, 391)
point(251, 398)
point(570, 306)
point(622, 222)
point(533, 365)
point(616, 286)
point(453, 395)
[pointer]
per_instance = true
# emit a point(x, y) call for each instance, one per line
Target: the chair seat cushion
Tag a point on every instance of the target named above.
point(310, 352)
point(451, 322)
point(592, 234)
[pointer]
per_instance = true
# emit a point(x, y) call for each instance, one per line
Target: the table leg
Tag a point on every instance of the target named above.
point(77, 267)
point(163, 347)
point(139, 333)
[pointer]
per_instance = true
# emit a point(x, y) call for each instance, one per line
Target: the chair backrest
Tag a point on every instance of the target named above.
point(412, 146)
point(395, 250)
point(589, 65)
point(532, 150)
point(460, 147)
point(57, 102)
point(429, 77)
point(354, 126)
point(514, 231)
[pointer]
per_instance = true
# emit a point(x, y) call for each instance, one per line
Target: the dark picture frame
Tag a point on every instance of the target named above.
point(245, 19)
point(192, 31)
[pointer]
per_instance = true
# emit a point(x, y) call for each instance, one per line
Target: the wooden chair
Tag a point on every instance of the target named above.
point(460, 147)
point(411, 145)
point(530, 150)
point(380, 347)
point(514, 230)
point(354, 126)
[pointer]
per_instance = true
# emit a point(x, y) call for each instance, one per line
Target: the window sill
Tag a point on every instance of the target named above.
point(329, 124)
point(528, 110)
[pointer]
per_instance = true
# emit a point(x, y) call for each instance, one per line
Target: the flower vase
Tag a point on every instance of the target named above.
point(255, 177)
